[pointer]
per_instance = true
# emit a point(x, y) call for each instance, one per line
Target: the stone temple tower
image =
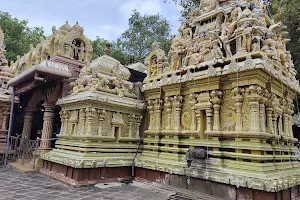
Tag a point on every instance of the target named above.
point(226, 88)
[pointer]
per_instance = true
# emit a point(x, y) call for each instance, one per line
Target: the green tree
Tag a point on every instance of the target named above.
point(18, 36)
point(117, 51)
point(142, 32)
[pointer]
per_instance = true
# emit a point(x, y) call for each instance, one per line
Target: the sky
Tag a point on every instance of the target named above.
point(107, 19)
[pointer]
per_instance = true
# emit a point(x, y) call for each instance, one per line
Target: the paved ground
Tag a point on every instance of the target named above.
point(14, 185)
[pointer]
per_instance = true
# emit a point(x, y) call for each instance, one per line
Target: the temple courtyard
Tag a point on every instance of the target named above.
point(35, 186)
point(15, 185)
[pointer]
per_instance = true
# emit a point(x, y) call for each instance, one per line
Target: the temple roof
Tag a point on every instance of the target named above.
point(224, 37)
point(140, 67)
point(109, 66)
point(67, 42)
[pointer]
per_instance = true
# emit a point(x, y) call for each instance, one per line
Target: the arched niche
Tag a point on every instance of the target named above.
point(78, 50)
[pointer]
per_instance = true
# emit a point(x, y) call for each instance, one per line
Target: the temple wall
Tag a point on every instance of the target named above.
point(245, 129)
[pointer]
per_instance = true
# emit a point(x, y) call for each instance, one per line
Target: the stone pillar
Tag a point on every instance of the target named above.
point(66, 126)
point(262, 117)
point(27, 122)
point(47, 126)
point(101, 118)
point(238, 99)
point(286, 125)
point(254, 93)
point(139, 120)
point(194, 120)
point(192, 102)
point(168, 105)
point(208, 119)
point(177, 102)
point(131, 119)
point(4, 119)
point(158, 105)
point(275, 117)
point(254, 116)
point(280, 127)
point(270, 120)
point(82, 120)
point(216, 96)
point(151, 114)
point(90, 112)
point(198, 117)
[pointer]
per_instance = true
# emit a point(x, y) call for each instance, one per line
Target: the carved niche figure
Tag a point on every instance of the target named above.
point(234, 18)
point(246, 42)
point(217, 46)
point(80, 52)
point(269, 46)
point(256, 41)
point(208, 5)
point(154, 66)
point(73, 47)
point(186, 31)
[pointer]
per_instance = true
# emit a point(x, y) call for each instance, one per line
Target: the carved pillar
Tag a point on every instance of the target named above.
point(216, 96)
point(26, 132)
point(262, 117)
point(101, 118)
point(208, 119)
point(286, 125)
point(192, 102)
point(47, 126)
point(4, 119)
point(177, 103)
point(275, 117)
point(158, 105)
point(270, 120)
point(238, 99)
point(89, 120)
point(131, 119)
point(83, 120)
point(168, 105)
point(280, 127)
point(198, 117)
point(151, 114)
point(67, 117)
point(254, 93)
point(139, 120)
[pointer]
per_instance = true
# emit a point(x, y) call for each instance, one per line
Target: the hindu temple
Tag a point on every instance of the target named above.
point(213, 115)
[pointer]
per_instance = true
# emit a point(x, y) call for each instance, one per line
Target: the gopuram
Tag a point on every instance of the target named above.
point(222, 100)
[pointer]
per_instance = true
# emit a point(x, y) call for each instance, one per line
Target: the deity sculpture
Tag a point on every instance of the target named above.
point(154, 66)
point(80, 52)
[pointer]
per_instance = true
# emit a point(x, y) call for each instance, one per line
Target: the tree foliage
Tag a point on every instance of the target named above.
point(18, 36)
point(117, 50)
point(142, 32)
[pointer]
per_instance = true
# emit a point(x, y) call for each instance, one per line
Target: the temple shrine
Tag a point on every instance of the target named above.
point(213, 115)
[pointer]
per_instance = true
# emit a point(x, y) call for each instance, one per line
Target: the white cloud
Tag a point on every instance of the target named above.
point(106, 19)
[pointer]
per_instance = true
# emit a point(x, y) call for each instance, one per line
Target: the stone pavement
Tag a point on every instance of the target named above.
point(15, 185)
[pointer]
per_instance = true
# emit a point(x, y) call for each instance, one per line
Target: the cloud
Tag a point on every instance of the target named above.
point(107, 20)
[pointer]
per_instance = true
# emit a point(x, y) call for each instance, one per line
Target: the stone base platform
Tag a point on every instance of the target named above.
point(27, 167)
point(223, 191)
point(85, 177)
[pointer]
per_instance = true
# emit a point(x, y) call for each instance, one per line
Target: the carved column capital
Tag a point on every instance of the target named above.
point(216, 96)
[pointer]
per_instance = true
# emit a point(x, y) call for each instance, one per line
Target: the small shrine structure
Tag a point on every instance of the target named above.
point(44, 74)
point(101, 126)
